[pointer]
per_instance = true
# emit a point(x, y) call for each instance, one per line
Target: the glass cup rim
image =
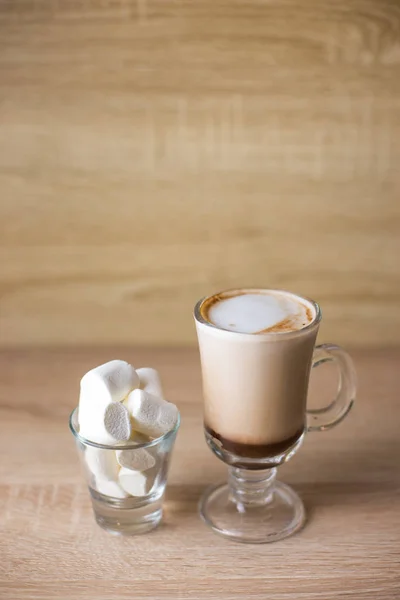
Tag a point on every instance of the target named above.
point(268, 335)
point(121, 445)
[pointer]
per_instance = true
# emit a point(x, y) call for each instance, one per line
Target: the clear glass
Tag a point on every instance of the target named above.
point(253, 506)
point(117, 510)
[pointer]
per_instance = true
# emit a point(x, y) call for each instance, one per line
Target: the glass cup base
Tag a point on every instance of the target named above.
point(280, 516)
point(122, 517)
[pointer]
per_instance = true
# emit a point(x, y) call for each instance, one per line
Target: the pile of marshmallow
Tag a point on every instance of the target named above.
point(119, 404)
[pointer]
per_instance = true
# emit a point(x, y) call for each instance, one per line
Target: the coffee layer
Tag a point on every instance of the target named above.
point(255, 450)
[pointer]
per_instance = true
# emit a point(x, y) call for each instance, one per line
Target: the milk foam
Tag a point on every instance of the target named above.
point(260, 312)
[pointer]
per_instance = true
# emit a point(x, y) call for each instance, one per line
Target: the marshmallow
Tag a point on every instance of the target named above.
point(104, 423)
point(150, 381)
point(90, 423)
point(110, 488)
point(152, 416)
point(102, 463)
point(133, 482)
point(110, 382)
point(117, 422)
point(101, 418)
point(136, 460)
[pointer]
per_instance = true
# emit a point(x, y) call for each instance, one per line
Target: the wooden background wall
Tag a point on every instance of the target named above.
point(151, 152)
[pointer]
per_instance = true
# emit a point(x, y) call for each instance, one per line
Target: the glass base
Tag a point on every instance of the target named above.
point(126, 517)
point(281, 515)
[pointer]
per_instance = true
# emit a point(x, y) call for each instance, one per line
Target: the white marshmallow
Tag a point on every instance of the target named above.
point(150, 381)
point(102, 387)
point(91, 424)
point(103, 422)
point(110, 488)
point(102, 463)
point(133, 482)
point(117, 422)
point(152, 416)
point(136, 460)
point(110, 382)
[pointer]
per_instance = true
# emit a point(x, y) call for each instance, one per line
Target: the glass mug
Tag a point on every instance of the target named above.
point(255, 390)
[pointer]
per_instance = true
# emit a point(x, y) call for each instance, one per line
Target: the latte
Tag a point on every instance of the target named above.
point(256, 348)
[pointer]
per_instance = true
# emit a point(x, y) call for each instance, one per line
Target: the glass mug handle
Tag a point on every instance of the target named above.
point(321, 419)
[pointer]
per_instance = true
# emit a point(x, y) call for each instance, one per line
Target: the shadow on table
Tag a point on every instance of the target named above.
point(357, 480)
point(183, 498)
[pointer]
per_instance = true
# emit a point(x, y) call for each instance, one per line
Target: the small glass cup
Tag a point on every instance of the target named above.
point(115, 510)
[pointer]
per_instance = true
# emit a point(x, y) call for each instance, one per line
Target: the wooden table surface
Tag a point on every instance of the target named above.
point(50, 547)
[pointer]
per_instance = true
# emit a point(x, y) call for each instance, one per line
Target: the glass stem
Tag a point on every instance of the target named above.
point(251, 487)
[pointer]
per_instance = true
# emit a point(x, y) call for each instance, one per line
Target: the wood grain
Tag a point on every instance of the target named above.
point(51, 549)
point(152, 152)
